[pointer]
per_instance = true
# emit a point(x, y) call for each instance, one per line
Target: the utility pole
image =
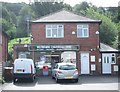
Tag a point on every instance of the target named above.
point(28, 26)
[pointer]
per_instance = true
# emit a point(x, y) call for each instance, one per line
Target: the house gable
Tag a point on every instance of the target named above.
point(106, 48)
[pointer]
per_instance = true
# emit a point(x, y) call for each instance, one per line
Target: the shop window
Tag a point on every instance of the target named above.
point(42, 59)
point(83, 30)
point(68, 57)
point(54, 31)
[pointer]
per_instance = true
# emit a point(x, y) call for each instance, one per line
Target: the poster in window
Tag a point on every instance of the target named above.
point(92, 58)
point(115, 68)
point(93, 67)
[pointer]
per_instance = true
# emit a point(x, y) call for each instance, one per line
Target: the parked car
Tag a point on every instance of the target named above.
point(24, 68)
point(65, 71)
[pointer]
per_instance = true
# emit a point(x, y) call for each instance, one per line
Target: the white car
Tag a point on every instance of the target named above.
point(65, 71)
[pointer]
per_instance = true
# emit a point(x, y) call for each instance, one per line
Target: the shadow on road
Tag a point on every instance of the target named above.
point(25, 83)
point(83, 79)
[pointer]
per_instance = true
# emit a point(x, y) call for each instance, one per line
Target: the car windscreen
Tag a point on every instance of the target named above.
point(67, 67)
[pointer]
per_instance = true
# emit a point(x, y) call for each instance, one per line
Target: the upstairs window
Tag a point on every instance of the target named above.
point(54, 31)
point(82, 30)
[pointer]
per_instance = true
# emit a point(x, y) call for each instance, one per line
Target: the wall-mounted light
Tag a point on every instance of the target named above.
point(73, 32)
point(93, 49)
point(98, 47)
point(97, 32)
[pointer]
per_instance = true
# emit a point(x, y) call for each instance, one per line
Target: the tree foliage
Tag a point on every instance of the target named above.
point(108, 29)
point(45, 8)
point(119, 27)
point(6, 22)
point(26, 14)
point(16, 15)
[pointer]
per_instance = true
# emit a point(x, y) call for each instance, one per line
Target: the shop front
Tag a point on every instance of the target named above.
point(49, 55)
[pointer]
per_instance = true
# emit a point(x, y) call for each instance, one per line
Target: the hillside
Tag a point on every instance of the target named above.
point(25, 40)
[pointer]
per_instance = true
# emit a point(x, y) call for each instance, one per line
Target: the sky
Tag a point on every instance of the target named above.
point(98, 3)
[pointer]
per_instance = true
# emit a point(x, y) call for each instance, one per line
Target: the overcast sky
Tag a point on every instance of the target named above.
point(98, 3)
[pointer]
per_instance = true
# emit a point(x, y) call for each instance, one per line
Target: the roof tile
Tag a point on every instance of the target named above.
point(65, 16)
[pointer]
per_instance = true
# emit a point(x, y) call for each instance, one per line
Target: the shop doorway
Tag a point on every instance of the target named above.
point(85, 68)
point(46, 59)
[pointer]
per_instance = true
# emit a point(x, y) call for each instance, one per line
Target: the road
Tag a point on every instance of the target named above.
point(47, 83)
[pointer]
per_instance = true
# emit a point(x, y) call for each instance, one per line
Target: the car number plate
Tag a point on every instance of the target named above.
point(69, 77)
point(19, 70)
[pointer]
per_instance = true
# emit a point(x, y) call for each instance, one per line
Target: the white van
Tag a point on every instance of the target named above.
point(24, 68)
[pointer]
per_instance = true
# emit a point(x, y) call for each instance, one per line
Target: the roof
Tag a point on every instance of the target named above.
point(107, 48)
point(64, 16)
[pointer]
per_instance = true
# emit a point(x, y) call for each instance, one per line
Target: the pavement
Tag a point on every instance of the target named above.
point(106, 82)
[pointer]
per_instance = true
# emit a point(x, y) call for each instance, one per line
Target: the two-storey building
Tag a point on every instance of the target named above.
point(67, 37)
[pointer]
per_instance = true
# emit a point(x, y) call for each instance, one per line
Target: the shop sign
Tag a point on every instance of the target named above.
point(52, 47)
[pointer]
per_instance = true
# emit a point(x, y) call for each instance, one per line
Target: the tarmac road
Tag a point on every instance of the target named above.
point(107, 83)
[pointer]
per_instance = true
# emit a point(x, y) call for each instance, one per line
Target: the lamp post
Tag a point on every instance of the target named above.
point(28, 26)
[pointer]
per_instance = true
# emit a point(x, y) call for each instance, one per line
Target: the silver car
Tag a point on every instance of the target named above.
point(65, 71)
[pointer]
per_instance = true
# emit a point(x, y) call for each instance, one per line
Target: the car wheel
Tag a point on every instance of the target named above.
point(57, 80)
point(14, 80)
point(53, 77)
point(76, 80)
point(33, 78)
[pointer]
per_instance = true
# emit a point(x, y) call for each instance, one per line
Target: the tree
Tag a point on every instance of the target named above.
point(108, 30)
point(26, 14)
point(119, 27)
point(113, 11)
point(81, 8)
point(14, 7)
point(44, 8)
point(6, 22)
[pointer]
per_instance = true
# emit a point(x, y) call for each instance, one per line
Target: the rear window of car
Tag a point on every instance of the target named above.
point(67, 67)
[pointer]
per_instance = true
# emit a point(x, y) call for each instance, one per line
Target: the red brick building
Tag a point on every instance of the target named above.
point(3, 49)
point(4, 46)
point(65, 36)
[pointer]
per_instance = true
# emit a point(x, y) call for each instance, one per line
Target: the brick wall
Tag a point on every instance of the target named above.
point(4, 47)
point(38, 32)
point(86, 44)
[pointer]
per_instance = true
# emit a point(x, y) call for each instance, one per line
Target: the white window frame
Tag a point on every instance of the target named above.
point(82, 28)
point(50, 27)
point(114, 58)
